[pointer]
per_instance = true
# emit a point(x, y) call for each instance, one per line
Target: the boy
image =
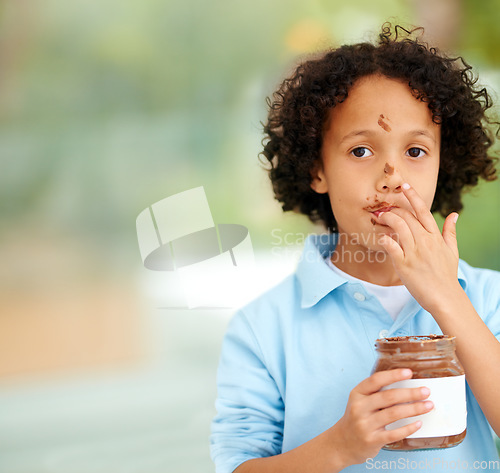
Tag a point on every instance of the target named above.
point(369, 140)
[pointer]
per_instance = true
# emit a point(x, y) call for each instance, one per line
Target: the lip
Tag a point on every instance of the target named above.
point(377, 213)
point(380, 208)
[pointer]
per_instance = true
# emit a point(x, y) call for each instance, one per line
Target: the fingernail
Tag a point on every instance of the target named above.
point(407, 373)
point(429, 405)
point(425, 391)
point(406, 186)
point(418, 423)
point(455, 218)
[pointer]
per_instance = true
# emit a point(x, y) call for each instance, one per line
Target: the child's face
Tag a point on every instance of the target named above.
point(380, 137)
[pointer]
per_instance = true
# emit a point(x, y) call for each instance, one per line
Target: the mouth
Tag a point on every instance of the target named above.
point(380, 208)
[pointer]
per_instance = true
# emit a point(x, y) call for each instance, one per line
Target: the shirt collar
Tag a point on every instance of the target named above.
point(316, 278)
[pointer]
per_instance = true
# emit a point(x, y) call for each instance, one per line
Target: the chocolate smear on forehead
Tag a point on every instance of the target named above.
point(383, 124)
point(389, 170)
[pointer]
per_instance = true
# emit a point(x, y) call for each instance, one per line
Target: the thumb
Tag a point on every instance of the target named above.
point(450, 232)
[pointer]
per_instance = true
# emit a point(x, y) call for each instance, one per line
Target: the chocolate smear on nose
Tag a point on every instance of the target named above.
point(388, 169)
point(383, 124)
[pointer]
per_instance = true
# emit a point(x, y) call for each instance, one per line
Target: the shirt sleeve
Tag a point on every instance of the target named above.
point(250, 409)
point(492, 306)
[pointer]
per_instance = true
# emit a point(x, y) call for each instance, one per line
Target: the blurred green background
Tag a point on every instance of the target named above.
point(105, 108)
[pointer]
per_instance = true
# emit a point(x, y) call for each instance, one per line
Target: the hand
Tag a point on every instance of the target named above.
point(422, 257)
point(369, 410)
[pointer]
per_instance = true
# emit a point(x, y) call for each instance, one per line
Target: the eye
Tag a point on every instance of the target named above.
point(361, 152)
point(416, 153)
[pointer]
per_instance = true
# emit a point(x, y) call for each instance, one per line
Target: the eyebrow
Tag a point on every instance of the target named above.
point(422, 133)
point(355, 133)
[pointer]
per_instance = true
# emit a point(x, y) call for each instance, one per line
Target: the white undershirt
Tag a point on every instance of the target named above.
point(392, 298)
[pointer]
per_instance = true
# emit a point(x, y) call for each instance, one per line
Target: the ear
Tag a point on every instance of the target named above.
point(318, 182)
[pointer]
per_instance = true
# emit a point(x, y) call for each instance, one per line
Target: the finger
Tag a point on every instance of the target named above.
point(450, 232)
point(398, 223)
point(391, 436)
point(392, 248)
point(411, 221)
point(422, 212)
point(391, 397)
point(378, 380)
point(401, 411)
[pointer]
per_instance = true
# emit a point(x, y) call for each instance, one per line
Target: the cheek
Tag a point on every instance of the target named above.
point(428, 190)
point(338, 197)
point(426, 193)
point(339, 182)
point(424, 181)
point(343, 192)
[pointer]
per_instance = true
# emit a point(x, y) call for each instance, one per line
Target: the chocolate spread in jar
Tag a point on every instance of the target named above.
point(430, 358)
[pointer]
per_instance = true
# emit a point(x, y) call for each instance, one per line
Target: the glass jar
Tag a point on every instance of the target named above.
point(434, 364)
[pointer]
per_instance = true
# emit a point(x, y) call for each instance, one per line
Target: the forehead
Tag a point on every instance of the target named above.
point(374, 96)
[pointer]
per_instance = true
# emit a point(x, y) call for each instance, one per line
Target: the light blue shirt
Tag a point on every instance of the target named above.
point(291, 357)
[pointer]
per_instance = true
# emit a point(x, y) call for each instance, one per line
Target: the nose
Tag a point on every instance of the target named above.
point(389, 178)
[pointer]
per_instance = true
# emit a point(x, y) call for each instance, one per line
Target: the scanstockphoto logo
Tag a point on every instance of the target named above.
point(195, 262)
point(432, 463)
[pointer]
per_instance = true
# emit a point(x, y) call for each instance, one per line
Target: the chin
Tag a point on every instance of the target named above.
point(378, 255)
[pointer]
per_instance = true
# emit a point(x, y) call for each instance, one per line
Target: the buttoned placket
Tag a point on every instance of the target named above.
point(376, 321)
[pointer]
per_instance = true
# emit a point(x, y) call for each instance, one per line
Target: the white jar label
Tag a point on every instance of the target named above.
point(449, 415)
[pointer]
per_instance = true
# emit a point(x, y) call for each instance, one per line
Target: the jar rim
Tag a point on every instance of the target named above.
point(416, 342)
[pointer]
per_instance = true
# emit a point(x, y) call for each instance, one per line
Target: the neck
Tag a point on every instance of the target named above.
point(365, 264)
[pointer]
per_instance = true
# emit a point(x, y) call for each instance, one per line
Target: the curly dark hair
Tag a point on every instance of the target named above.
point(300, 106)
